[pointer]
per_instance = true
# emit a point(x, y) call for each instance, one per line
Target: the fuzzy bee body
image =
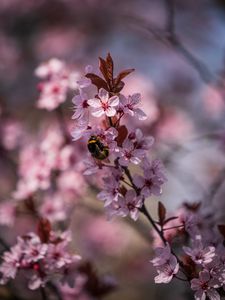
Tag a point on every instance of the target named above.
point(97, 149)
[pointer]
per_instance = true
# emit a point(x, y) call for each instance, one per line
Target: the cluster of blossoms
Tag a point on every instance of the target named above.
point(57, 81)
point(53, 178)
point(98, 121)
point(43, 260)
point(113, 150)
point(202, 259)
point(49, 186)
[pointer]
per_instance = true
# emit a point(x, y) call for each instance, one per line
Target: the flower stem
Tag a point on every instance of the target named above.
point(43, 294)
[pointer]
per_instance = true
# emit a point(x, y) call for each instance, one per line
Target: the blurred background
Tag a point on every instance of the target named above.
point(178, 51)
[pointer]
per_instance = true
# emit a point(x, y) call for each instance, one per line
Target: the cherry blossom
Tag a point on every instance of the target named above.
point(151, 182)
point(41, 259)
point(199, 254)
point(129, 154)
point(205, 287)
point(81, 105)
point(57, 81)
point(166, 265)
point(129, 106)
point(131, 204)
point(104, 105)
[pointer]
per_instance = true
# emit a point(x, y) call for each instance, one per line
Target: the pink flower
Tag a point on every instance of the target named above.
point(129, 106)
point(40, 261)
point(131, 204)
point(79, 129)
point(142, 142)
point(58, 79)
point(162, 256)
point(57, 256)
point(104, 105)
point(90, 166)
point(81, 105)
point(11, 263)
point(167, 271)
point(205, 287)
point(50, 68)
point(111, 190)
point(199, 254)
point(152, 180)
point(116, 208)
point(53, 93)
point(129, 154)
point(54, 208)
point(34, 250)
point(166, 264)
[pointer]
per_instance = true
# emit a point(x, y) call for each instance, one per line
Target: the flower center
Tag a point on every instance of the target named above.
point(204, 286)
point(131, 206)
point(105, 105)
point(85, 104)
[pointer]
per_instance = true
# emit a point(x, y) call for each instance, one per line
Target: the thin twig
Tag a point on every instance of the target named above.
point(173, 227)
point(43, 294)
point(55, 289)
point(169, 38)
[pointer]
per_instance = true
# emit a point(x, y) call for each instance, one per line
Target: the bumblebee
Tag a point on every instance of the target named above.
point(97, 149)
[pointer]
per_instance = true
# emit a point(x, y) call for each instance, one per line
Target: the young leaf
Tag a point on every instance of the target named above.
point(122, 134)
point(109, 63)
point(221, 229)
point(97, 81)
point(161, 213)
point(103, 68)
point(118, 87)
point(44, 229)
point(122, 75)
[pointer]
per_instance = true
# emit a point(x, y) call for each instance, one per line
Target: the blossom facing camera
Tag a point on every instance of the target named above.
point(104, 105)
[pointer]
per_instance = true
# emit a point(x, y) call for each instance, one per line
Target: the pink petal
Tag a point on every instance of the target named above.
point(213, 294)
point(135, 98)
point(134, 214)
point(140, 114)
point(103, 95)
point(96, 103)
point(113, 101)
point(98, 112)
point(110, 112)
point(204, 276)
point(200, 295)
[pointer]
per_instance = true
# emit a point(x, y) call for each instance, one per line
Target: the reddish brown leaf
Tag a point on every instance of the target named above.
point(122, 75)
point(97, 81)
point(221, 229)
point(109, 63)
point(119, 87)
point(44, 229)
point(123, 190)
point(192, 206)
point(161, 213)
point(122, 134)
point(103, 68)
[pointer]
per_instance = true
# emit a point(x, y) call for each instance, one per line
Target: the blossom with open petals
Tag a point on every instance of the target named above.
point(104, 105)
